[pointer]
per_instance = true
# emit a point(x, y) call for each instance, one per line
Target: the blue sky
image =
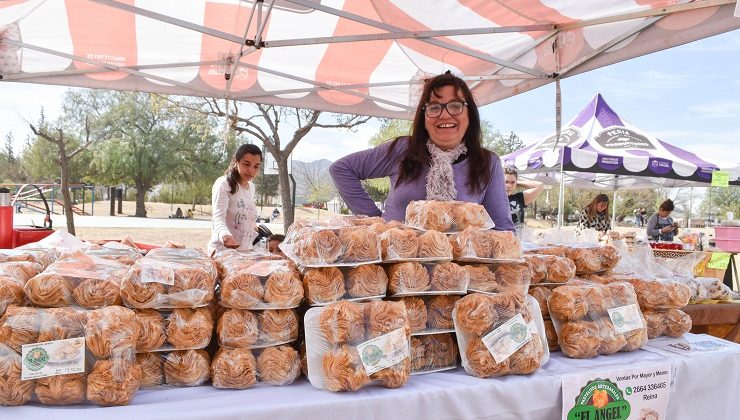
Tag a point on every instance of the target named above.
point(688, 96)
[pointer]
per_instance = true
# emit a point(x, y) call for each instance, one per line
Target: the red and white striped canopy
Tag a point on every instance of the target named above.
point(353, 56)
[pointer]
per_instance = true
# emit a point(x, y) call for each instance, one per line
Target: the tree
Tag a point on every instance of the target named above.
point(264, 124)
point(389, 130)
point(12, 169)
point(148, 141)
point(497, 142)
point(718, 201)
point(266, 186)
point(67, 149)
point(317, 182)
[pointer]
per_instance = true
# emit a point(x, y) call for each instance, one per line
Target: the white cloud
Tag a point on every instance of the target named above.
point(722, 109)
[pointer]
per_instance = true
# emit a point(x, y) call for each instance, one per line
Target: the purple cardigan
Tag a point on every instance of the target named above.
point(349, 171)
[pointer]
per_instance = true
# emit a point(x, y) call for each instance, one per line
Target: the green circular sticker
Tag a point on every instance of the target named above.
point(518, 332)
point(371, 355)
point(36, 359)
point(617, 319)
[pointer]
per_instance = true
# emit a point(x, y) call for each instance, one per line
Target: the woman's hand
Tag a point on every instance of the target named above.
point(230, 242)
point(667, 229)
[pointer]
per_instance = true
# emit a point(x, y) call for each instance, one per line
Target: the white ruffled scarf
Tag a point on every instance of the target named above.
point(440, 179)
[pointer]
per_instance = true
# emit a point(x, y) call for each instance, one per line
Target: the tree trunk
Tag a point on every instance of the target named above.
point(64, 163)
point(285, 191)
point(140, 201)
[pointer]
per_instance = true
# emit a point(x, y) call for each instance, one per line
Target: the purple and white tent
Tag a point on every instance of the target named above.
point(600, 150)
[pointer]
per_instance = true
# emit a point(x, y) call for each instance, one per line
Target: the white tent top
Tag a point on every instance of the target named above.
point(598, 149)
point(355, 56)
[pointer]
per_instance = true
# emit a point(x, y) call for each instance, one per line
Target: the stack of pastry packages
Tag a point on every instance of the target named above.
point(257, 321)
point(422, 275)
point(498, 329)
point(171, 291)
point(78, 346)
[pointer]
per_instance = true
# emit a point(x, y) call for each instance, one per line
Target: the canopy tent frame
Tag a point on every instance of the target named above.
point(249, 44)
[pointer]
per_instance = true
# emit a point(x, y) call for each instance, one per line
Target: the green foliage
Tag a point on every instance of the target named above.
point(266, 186)
point(719, 201)
point(390, 130)
point(12, 170)
point(497, 142)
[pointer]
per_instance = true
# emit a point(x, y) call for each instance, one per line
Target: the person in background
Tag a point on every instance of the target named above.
point(442, 159)
point(519, 201)
point(190, 214)
point(643, 216)
point(661, 226)
point(232, 196)
point(638, 218)
point(596, 214)
point(272, 244)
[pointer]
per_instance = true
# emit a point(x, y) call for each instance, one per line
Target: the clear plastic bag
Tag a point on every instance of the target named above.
point(351, 345)
point(93, 350)
point(174, 329)
point(486, 246)
point(240, 328)
point(550, 268)
point(666, 322)
point(324, 246)
point(417, 279)
point(323, 285)
point(430, 314)
point(405, 244)
point(447, 216)
point(260, 284)
point(499, 278)
point(43, 256)
point(433, 353)
point(77, 279)
point(121, 253)
point(243, 368)
point(13, 276)
point(653, 293)
point(593, 319)
point(168, 278)
point(500, 334)
point(177, 368)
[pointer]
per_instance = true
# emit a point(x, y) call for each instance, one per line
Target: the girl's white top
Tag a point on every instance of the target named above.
point(233, 214)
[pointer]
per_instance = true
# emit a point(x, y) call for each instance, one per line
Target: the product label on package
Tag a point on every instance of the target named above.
point(626, 318)
point(507, 338)
point(384, 351)
point(52, 358)
point(630, 393)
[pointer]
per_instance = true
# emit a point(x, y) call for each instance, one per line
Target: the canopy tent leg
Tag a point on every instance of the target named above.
point(614, 208)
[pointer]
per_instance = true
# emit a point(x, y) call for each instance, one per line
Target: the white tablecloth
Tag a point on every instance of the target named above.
point(704, 387)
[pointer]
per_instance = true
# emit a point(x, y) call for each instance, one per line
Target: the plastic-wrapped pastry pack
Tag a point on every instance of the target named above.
point(93, 350)
point(593, 319)
point(429, 314)
point(320, 246)
point(653, 293)
point(240, 328)
point(13, 277)
point(174, 329)
point(323, 285)
point(42, 256)
point(169, 278)
point(405, 244)
point(486, 246)
point(116, 252)
point(243, 368)
point(350, 345)
point(500, 334)
point(414, 278)
point(666, 322)
point(593, 259)
point(263, 284)
point(77, 279)
point(433, 353)
point(176, 368)
point(498, 278)
point(550, 268)
point(447, 216)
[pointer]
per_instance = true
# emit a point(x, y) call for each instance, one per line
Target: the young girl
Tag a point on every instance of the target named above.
point(234, 211)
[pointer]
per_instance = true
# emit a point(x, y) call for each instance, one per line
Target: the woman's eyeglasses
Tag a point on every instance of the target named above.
point(453, 108)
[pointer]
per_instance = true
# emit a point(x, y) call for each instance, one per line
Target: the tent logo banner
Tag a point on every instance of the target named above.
point(567, 137)
point(622, 138)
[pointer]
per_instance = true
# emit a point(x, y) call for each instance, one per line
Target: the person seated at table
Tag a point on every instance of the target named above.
point(661, 226)
point(519, 201)
point(272, 244)
point(596, 214)
point(443, 159)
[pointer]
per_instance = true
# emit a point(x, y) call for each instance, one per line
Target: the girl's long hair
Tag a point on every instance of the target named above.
point(591, 207)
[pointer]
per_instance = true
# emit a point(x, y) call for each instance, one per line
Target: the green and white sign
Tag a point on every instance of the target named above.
point(507, 338)
point(625, 394)
point(52, 358)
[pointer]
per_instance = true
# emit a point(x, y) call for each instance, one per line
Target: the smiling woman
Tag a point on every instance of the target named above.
point(443, 159)
point(234, 211)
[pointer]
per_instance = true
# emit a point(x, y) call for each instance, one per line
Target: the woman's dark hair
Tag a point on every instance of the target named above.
point(591, 207)
point(232, 173)
point(417, 156)
point(667, 205)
